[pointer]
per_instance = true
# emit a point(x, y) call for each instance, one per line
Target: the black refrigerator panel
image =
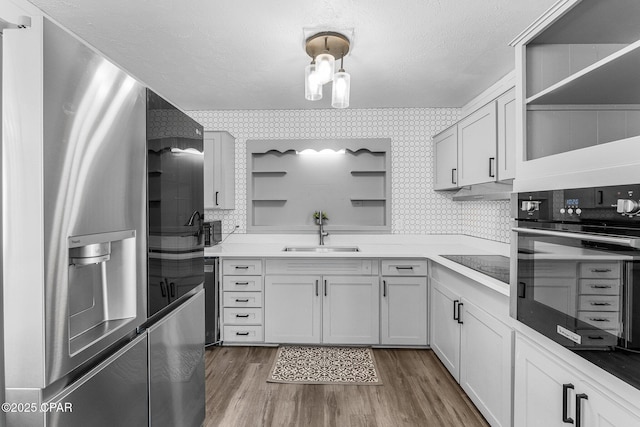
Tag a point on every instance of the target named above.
point(175, 165)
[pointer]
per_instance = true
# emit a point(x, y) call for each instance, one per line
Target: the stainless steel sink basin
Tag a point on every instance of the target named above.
point(321, 249)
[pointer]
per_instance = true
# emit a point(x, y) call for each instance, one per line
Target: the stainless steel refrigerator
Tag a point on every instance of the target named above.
point(79, 346)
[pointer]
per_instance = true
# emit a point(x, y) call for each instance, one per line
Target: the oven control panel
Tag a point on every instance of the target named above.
point(596, 204)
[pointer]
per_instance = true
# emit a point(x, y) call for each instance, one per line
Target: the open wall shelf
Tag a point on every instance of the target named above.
point(285, 187)
point(581, 79)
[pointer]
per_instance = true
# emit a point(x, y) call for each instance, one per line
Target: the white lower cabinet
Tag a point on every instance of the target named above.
point(473, 345)
point(321, 309)
point(350, 312)
point(445, 330)
point(549, 391)
point(293, 309)
point(404, 311)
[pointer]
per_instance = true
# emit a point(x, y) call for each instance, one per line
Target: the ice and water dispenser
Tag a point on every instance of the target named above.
point(102, 286)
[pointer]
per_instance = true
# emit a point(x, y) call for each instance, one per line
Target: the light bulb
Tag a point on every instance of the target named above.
point(341, 89)
point(312, 86)
point(325, 66)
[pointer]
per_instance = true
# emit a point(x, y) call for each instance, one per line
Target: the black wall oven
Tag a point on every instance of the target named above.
point(578, 272)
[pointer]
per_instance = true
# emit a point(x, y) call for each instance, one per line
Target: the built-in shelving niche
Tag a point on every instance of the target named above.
point(582, 81)
point(285, 186)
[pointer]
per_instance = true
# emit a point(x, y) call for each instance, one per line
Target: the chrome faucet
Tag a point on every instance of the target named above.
point(322, 233)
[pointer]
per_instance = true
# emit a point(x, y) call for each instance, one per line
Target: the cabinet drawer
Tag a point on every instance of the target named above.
point(242, 299)
point(597, 338)
point(607, 320)
point(599, 286)
point(242, 316)
point(600, 270)
point(599, 303)
point(242, 267)
point(242, 283)
point(547, 269)
point(242, 333)
point(334, 266)
point(404, 267)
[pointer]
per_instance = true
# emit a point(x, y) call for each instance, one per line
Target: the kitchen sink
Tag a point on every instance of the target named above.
point(321, 249)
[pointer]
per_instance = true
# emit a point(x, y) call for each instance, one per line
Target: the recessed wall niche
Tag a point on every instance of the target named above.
point(289, 180)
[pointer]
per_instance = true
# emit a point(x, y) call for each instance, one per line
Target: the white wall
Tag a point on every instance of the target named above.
point(416, 208)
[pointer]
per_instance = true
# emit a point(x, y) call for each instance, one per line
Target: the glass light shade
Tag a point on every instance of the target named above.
point(325, 66)
point(341, 89)
point(312, 86)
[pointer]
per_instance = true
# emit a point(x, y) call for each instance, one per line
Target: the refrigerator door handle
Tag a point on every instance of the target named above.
point(163, 288)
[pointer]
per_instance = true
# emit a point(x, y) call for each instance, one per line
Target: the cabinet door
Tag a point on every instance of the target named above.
point(485, 363)
point(506, 104)
point(219, 170)
point(600, 410)
point(445, 146)
point(445, 331)
point(292, 309)
point(538, 388)
point(351, 310)
point(404, 311)
point(477, 146)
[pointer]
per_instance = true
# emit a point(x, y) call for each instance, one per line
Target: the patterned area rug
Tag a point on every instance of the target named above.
point(325, 365)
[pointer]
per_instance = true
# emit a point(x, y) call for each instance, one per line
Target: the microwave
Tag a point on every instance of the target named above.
point(212, 233)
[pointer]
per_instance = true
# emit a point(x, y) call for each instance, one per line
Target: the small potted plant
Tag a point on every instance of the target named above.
point(316, 216)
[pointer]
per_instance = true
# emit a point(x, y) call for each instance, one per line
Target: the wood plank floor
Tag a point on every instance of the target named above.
point(417, 391)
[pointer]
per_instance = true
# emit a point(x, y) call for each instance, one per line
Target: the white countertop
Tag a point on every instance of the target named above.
point(370, 246)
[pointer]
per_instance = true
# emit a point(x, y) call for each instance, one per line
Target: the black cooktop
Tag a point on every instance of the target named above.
point(496, 266)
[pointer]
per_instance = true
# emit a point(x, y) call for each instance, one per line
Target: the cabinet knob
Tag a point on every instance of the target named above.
point(530, 205)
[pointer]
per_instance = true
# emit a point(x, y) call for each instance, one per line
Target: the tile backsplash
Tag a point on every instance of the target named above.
point(416, 208)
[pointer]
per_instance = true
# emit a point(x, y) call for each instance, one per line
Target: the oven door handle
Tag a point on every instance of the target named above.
point(620, 241)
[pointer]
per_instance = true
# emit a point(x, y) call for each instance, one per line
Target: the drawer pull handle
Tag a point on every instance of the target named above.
point(565, 403)
point(596, 337)
point(601, 270)
point(242, 299)
point(579, 397)
point(599, 319)
point(242, 267)
point(242, 283)
point(242, 315)
point(242, 333)
point(404, 267)
point(600, 304)
point(601, 286)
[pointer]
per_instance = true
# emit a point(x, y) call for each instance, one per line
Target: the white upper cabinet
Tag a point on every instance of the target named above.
point(506, 105)
point(219, 170)
point(577, 96)
point(480, 148)
point(446, 152)
point(477, 146)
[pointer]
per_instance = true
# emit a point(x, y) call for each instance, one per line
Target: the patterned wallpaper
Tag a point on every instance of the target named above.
point(416, 208)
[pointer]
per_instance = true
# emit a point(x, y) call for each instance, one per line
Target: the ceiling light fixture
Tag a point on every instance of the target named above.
point(325, 48)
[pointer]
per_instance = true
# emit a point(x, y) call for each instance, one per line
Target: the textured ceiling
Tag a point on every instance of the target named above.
point(249, 54)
